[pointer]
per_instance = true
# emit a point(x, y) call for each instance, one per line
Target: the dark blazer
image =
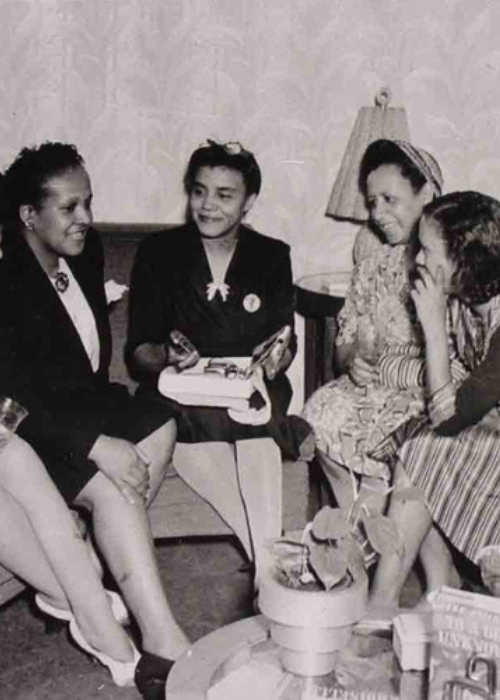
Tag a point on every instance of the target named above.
point(43, 363)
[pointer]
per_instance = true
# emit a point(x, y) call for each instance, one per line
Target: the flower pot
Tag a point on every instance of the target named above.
point(311, 627)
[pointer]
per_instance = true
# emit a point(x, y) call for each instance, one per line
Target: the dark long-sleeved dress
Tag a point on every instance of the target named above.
point(169, 291)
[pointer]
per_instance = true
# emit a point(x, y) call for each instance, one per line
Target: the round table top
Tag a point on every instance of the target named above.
point(240, 660)
point(330, 283)
point(321, 295)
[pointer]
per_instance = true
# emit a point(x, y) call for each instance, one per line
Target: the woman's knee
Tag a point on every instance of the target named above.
point(18, 453)
point(98, 492)
point(159, 445)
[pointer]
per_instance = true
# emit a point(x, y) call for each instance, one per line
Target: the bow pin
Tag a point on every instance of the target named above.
point(215, 287)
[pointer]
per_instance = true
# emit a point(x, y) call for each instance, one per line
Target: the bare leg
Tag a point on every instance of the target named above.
point(413, 522)
point(21, 553)
point(158, 448)
point(260, 474)
point(438, 564)
point(343, 484)
point(124, 537)
point(210, 470)
point(51, 554)
point(435, 555)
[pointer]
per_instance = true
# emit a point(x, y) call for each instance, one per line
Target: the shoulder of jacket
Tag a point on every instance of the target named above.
point(175, 235)
point(272, 245)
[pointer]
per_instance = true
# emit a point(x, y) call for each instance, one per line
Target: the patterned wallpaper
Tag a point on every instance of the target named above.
point(138, 84)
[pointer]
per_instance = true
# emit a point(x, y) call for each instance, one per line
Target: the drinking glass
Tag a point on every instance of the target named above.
point(11, 414)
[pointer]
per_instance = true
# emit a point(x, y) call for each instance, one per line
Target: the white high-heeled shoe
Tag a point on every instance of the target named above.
point(122, 672)
point(118, 608)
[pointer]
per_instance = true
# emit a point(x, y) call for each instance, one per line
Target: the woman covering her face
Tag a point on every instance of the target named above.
point(228, 290)
point(451, 454)
point(104, 450)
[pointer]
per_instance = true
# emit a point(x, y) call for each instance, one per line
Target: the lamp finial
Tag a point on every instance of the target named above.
point(383, 97)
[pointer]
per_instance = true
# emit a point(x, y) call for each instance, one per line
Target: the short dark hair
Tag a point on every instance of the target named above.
point(386, 152)
point(27, 176)
point(469, 223)
point(225, 155)
point(3, 202)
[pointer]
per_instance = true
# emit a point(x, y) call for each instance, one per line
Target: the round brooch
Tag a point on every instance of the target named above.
point(61, 282)
point(251, 303)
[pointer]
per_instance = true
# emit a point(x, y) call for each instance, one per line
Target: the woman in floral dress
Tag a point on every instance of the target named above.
point(378, 346)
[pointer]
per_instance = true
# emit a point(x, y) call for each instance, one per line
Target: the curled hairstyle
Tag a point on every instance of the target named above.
point(385, 152)
point(26, 178)
point(469, 223)
point(228, 155)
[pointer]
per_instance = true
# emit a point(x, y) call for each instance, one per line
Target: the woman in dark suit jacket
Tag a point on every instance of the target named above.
point(105, 452)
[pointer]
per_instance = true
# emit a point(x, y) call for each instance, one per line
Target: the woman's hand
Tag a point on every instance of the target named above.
point(180, 351)
point(123, 464)
point(429, 297)
point(279, 357)
point(362, 372)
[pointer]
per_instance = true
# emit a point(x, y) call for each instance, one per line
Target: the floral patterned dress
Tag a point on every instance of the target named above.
point(350, 420)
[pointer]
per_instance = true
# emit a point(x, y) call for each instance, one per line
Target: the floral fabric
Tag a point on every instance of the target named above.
point(350, 420)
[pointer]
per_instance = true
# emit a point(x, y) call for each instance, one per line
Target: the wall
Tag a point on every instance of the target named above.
point(138, 84)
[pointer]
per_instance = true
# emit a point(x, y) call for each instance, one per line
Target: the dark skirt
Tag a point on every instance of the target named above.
point(120, 415)
point(197, 424)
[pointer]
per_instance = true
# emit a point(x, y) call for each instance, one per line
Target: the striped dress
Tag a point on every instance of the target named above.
point(453, 454)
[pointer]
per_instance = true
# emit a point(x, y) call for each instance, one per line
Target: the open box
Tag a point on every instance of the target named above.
point(197, 387)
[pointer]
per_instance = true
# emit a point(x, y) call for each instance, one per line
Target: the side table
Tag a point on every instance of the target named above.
point(319, 298)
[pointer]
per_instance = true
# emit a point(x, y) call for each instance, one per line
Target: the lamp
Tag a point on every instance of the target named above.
point(372, 123)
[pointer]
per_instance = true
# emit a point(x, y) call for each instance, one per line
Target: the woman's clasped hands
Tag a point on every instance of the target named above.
point(363, 372)
point(124, 464)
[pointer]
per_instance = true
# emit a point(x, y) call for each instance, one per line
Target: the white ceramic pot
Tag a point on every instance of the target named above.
point(311, 627)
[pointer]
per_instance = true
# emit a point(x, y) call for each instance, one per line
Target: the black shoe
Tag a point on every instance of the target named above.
point(151, 675)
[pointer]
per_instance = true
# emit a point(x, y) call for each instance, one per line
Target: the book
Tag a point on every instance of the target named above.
point(465, 646)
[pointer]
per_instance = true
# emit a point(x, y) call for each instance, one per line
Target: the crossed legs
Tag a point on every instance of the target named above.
point(123, 535)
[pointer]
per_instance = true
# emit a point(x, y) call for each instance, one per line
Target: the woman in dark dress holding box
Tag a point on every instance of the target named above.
point(228, 290)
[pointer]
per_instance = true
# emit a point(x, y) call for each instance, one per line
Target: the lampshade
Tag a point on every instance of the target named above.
point(372, 123)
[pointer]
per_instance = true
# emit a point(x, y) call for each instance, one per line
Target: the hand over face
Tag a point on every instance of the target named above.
point(429, 297)
point(123, 464)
